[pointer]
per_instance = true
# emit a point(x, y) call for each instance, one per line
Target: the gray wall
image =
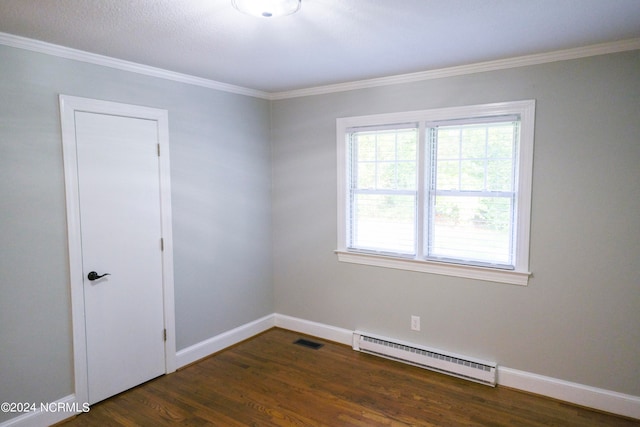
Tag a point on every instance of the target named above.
point(221, 191)
point(579, 318)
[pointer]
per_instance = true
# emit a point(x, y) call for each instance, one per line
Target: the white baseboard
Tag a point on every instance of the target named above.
point(226, 339)
point(47, 413)
point(331, 333)
point(578, 394)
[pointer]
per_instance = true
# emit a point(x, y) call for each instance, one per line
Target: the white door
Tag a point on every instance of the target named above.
point(120, 220)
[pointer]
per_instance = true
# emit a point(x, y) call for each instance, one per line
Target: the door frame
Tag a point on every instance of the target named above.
point(69, 105)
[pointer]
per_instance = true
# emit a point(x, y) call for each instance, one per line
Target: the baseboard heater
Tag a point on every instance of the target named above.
point(447, 363)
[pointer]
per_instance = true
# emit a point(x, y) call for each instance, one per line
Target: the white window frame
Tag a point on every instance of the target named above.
point(525, 110)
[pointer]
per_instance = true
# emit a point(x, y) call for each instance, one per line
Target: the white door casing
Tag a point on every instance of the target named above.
point(126, 311)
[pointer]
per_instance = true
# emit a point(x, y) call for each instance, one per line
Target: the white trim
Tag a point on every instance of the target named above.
point(526, 110)
point(68, 106)
point(320, 330)
point(119, 64)
point(577, 394)
point(221, 341)
point(480, 67)
point(166, 219)
point(457, 270)
point(501, 64)
point(591, 397)
point(40, 418)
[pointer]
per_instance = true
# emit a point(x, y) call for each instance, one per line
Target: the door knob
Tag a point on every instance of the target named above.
point(93, 275)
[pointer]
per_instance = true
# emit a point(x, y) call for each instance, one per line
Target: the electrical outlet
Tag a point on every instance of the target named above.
point(415, 323)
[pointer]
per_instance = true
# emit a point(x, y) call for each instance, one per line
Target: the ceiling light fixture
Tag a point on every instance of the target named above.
point(267, 8)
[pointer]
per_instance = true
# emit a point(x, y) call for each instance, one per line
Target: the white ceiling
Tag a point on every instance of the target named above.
point(326, 42)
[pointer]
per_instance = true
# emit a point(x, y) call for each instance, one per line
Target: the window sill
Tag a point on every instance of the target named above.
point(456, 270)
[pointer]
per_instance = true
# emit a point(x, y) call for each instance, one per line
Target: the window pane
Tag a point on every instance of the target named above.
point(384, 223)
point(366, 175)
point(448, 176)
point(472, 175)
point(500, 175)
point(407, 178)
point(448, 143)
point(500, 140)
point(473, 229)
point(366, 147)
point(474, 142)
point(386, 146)
point(387, 176)
point(407, 148)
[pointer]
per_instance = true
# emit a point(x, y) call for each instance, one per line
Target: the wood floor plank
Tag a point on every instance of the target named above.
point(269, 381)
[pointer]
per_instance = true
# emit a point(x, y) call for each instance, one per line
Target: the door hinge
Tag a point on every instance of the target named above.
point(158, 150)
point(161, 244)
point(164, 334)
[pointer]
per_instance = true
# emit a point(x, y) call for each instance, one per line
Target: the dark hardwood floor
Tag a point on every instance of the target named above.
point(269, 381)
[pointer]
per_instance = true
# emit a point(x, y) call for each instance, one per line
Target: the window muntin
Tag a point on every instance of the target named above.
point(476, 159)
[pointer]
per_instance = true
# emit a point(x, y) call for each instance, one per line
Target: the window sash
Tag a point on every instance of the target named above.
point(486, 247)
point(382, 233)
point(383, 188)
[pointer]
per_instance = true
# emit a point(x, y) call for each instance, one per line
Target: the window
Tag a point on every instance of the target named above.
point(445, 191)
point(383, 189)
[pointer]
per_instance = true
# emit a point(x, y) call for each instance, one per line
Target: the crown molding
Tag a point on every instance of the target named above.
point(501, 64)
point(92, 58)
